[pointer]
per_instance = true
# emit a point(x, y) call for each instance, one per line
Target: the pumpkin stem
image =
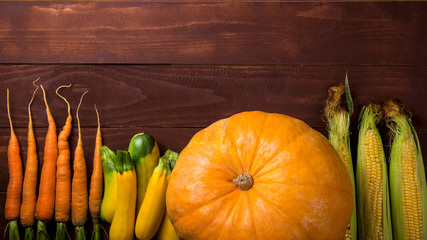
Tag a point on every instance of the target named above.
point(244, 182)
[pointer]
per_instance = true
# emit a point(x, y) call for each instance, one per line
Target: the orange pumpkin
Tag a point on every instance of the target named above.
point(259, 176)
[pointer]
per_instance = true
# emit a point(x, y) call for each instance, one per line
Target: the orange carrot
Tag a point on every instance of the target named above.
point(79, 195)
point(46, 199)
point(63, 175)
point(14, 188)
point(96, 184)
point(29, 188)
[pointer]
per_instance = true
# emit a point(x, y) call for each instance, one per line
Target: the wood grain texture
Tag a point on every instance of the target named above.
point(374, 33)
point(196, 96)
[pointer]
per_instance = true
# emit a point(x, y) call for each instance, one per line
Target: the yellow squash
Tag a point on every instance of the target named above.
point(122, 226)
point(166, 230)
point(153, 207)
point(145, 155)
point(109, 199)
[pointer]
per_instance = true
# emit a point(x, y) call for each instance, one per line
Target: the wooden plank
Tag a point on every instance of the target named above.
point(368, 33)
point(196, 96)
point(213, 1)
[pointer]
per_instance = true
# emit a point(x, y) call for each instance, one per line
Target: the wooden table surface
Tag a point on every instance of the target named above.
point(171, 69)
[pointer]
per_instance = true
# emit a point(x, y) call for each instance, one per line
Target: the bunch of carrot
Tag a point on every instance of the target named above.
point(58, 193)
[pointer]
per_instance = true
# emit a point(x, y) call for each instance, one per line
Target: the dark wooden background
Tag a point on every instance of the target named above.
point(171, 69)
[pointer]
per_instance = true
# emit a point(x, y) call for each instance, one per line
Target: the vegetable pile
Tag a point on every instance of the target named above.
point(127, 188)
point(253, 175)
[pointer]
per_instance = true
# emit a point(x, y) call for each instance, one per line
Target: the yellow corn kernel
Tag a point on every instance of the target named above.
point(411, 192)
point(343, 153)
point(348, 233)
point(374, 216)
point(408, 191)
point(338, 112)
point(373, 156)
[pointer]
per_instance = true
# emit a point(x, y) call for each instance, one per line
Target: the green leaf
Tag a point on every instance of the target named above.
point(348, 96)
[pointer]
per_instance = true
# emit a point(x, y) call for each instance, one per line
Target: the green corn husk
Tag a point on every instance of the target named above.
point(338, 128)
point(407, 176)
point(374, 220)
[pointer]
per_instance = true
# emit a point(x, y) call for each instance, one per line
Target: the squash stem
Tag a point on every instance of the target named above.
point(244, 182)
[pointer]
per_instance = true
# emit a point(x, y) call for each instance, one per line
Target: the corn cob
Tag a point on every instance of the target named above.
point(374, 221)
point(407, 177)
point(338, 129)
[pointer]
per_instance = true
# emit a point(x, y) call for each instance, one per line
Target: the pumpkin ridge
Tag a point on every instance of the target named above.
point(250, 207)
point(227, 215)
point(235, 153)
point(220, 166)
point(256, 145)
point(323, 185)
point(314, 186)
point(279, 152)
point(275, 207)
point(209, 202)
point(239, 197)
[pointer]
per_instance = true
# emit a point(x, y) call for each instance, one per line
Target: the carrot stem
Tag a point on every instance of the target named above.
point(42, 231)
point(80, 233)
point(96, 235)
point(29, 233)
point(12, 226)
point(61, 231)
